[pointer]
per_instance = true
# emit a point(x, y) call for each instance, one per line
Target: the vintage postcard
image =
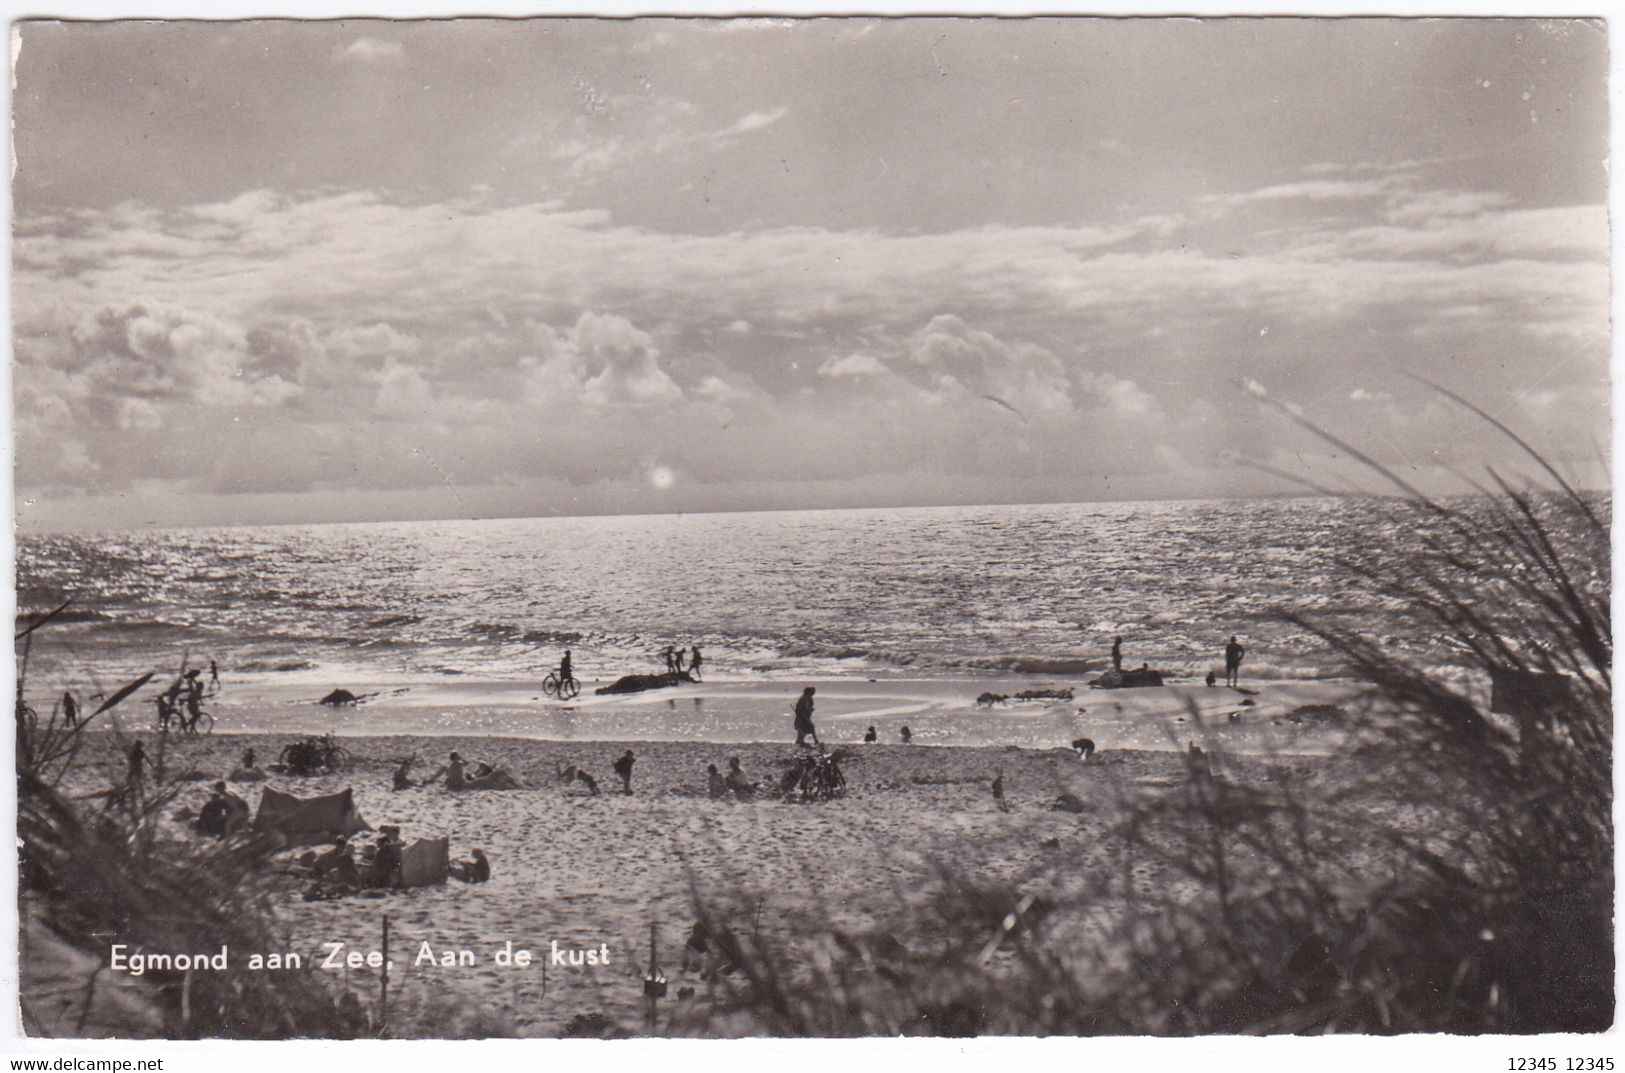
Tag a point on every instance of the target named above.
point(812, 527)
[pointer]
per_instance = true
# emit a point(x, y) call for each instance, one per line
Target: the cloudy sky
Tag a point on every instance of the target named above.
point(351, 270)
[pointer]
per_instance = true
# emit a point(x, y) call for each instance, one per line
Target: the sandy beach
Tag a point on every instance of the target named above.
point(594, 872)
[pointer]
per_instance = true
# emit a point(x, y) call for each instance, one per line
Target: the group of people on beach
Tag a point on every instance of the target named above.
point(1233, 653)
point(734, 783)
point(182, 702)
point(675, 657)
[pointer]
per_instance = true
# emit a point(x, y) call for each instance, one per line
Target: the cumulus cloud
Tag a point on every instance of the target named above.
point(604, 360)
point(317, 313)
point(1025, 376)
point(402, 389)
point(157, 352)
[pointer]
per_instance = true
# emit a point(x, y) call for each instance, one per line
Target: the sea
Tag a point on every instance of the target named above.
point(959, 591)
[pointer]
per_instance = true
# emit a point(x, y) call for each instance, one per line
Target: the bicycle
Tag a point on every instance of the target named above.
point(566, 689)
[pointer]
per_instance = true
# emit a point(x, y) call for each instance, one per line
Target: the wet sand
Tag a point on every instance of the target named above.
point(939, 711)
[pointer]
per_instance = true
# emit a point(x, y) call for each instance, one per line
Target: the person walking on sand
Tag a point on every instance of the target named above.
point(998, 791)
point(1117, 654)
point(804, 723)
point(70, 709)
point(1232, 661)
point(623, 768)
point(694, 662)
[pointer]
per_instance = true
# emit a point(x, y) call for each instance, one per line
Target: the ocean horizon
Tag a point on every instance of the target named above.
point(919, 591)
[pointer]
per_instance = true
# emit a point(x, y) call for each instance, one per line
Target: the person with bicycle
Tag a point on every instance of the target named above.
point(562, 682)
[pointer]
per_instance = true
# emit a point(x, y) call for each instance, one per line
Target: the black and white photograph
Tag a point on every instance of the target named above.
point(813, 527)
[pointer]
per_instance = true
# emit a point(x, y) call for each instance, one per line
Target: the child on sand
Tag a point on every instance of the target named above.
point(623, 768)
point(715, 784)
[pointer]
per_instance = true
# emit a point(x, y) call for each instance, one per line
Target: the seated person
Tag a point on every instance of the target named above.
point(715, 784)
point(337, 865)
point(385, 869)
point(400, 778)
point(223, 813)
point(742, 787)
point(477, 870)
point(482, 777)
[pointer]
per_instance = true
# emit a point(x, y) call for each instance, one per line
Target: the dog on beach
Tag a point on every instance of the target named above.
point(570, 773)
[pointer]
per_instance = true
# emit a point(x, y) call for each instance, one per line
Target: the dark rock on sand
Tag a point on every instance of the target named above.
point(1067, 803)
point(637, 683)
point(1044, 694)
point(1309, 712)
point(1139, 679)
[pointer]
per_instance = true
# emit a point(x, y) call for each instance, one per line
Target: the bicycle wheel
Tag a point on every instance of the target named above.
point(550, 686)
point(569, 689)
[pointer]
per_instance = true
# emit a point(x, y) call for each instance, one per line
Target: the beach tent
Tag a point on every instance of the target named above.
point(313, 818)
point(425, 862)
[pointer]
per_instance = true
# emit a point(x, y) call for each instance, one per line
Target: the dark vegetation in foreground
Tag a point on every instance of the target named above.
point(1482, 901)
point(99, 869)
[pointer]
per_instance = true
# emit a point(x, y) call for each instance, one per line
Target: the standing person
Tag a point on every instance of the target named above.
point(623, 768)
point(567, 671)
point(1232, 661)
point(137, 774)
point(165, 710)
point(70, 709)
point(694, 662)
point(194, 707)
point(1117, 654)
point(804, 723)
point(677, 660)
point(906, 734)
point(998, 791)
point(671, 660)
point(214, 675)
